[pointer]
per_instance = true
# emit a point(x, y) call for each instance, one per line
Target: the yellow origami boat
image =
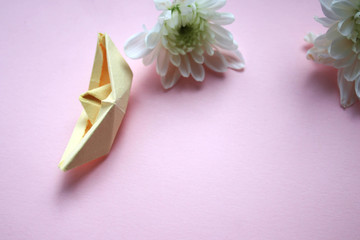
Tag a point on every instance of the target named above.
point(104, 106)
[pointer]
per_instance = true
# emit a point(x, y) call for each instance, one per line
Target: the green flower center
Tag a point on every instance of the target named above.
point(186, 31)
point(183, 38)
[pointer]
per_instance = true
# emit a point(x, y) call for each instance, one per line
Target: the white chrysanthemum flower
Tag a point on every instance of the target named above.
point(187, 35)
point(340, 45)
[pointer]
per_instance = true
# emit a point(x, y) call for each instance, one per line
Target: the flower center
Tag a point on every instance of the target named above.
point(187, 37)
point(186, 30)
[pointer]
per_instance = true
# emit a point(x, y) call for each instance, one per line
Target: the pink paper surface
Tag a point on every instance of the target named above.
point(267, 153)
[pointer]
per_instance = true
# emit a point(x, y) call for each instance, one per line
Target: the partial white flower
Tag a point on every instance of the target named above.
point(340, 45)
point(187, 35)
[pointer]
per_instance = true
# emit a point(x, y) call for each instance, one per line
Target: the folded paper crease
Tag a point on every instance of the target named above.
point(104, 105)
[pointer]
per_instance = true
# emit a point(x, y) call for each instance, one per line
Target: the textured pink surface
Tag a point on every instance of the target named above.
point(262, 154)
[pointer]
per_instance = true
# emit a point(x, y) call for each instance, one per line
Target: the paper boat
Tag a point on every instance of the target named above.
point(104, 106)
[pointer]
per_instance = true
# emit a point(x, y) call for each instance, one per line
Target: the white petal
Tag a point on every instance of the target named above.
point(319, 53)
point(162, 62)
point(357, 87)
point(346, 27)
point(340, 48)
point(206, 3)
point(166, 15)
point(149, 59)
point(221, 18)
point(199, 51)
point(310, 37)
point(208, 48)
point(218, 5)
point(184, 2)
point(326, 22)
point(199, 58)
point(197, 70)
point(326, 8)
point(223, 38)
point(322, 42)
point(165, 43)
point(171, 77)
point(135, 47)
point(326, 3)
point(185, 9)
point(333, 33)
point(174, 19)
point(345, 62)
point(343, 9)
point(347, 91)
point(217, 29)
point(211, 4)
point(234, 59)
point(215, 62)
point(320, 56)
point(188, 2)
point(184, 67)
point(352, 72)
point(162, 4)
point(224, 44)
point(153, 37)
point(175, 59)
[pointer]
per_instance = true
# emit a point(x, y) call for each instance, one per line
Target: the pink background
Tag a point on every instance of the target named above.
point(267, 153)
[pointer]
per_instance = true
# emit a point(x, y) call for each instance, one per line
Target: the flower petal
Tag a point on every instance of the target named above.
point(345, 62)
point(319, 53)
point(320, 56)
point(357, 87)
point(153, 37)
point(165, 15)
point(333, 33)
point(347, 91)
point(185, 9)
point(197, 70)
point(135, 46)
point(175, 59)
point(234, 59)
point(219, 4)
point(149, 59)
point(199, 58)
point(171, 77)
point(322, 42)
point(221, 18)
point(217, 29)
point(162, 4)
point(343, 8)
point(223, 38)
point(310, 37)
point(199, 50)
point(326, 22)
point(208, 48)
point(340, 48)
point(216, 62)
point(162, 62)
point(326, 8)
point(206, 4)
point(184, 67)
point(346, 27)
point(352, 72)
